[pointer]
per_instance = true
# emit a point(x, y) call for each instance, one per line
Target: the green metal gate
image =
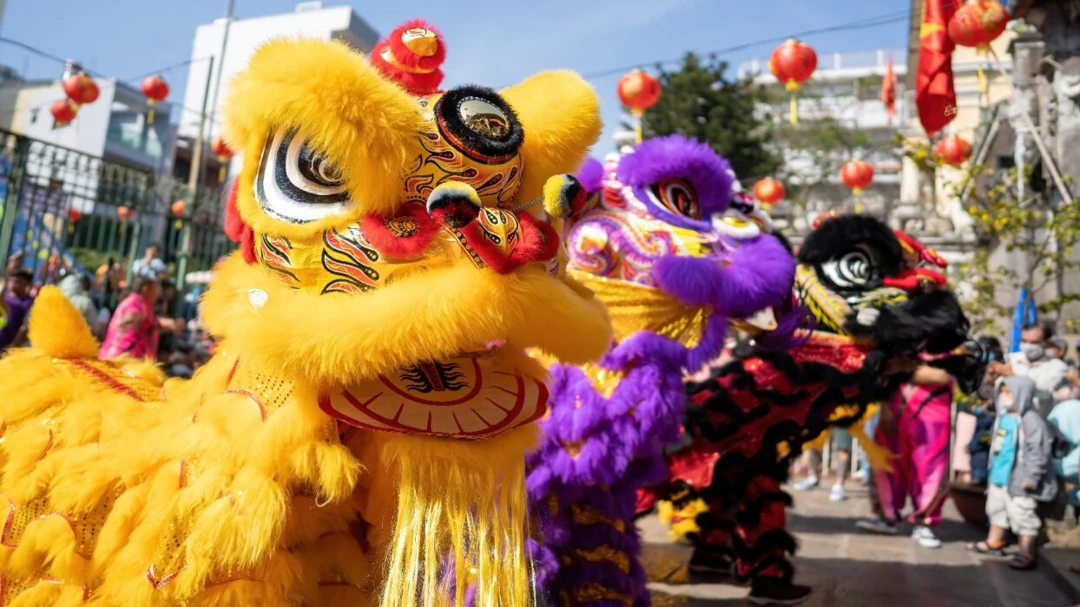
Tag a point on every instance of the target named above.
point(62, 207)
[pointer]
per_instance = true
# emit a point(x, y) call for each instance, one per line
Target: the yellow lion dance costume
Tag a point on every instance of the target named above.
point(359, 436)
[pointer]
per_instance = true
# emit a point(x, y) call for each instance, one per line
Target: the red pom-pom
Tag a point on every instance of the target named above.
point(234, 224)
point(412, 54)
point(405, 55)
point(236, 229)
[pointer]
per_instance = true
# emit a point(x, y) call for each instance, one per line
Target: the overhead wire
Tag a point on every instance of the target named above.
point(134, 80)
point(864, 23)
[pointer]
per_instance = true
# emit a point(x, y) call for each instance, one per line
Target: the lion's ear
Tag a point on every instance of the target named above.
point(560, 113)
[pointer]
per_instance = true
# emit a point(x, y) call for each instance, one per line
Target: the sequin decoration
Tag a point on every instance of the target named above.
point(269, 391)
point(635, 307)
point(115, 378)
point(11, 588)
point(87, 526)
point(169, 560)
point(17, 517)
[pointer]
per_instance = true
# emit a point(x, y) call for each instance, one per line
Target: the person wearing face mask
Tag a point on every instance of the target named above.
point(1056, 347)
point(978, 444)
point(1021, 473)
point(1034, 363)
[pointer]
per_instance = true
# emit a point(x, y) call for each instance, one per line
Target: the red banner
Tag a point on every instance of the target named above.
point(888, 90)
point(934, 92)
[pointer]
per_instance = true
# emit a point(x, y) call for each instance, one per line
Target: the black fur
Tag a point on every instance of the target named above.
point(839, 234)
point(476, 146)
point(930, 321)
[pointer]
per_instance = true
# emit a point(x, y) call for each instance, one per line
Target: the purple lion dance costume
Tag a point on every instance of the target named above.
point(677, 257)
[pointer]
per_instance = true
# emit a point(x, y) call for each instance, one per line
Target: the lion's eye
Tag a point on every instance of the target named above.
point(852, 269)
point(677, 196)
point(734, 224)
point(296, 182)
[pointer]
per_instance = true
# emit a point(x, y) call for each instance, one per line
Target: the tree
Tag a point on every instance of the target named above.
point(817, 149)
point(1038, 240)
point(699, 101)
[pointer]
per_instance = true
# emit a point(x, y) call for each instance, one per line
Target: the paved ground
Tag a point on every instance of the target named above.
point(850, 569)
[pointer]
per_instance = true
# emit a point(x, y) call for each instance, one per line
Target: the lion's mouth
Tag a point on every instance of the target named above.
point(762, 321)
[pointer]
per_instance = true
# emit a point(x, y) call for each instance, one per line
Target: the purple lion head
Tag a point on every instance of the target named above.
point(667, 215)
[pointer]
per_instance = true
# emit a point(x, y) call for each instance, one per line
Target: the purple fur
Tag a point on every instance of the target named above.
point(676, 157)
point(755, 275)
point(591, 175)
point(597, 451)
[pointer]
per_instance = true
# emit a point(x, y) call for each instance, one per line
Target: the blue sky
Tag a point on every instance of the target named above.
point(489, 42)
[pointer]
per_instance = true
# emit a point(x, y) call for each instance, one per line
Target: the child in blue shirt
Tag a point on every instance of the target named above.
point(1021, 472)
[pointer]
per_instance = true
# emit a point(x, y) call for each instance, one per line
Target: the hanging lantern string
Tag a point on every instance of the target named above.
point(866, 23)
point(213, 117)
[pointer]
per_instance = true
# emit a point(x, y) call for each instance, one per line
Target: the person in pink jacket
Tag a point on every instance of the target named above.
point(915, 427)
point(133, 330)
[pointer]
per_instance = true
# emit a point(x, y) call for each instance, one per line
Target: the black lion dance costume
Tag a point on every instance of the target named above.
point(875, 311)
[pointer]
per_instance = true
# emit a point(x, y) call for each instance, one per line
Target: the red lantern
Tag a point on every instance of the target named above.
point(953, 150)
point(793, 63)
point(978, 23)
point(178, 208)
point(638, 91)
point(156, 89)
point(224, 153)
point(74, 215)
point(769, 191)
point(81, 89)
point(63, 112)
point(857, 175)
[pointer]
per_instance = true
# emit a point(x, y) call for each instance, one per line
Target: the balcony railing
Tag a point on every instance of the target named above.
point(836, 61)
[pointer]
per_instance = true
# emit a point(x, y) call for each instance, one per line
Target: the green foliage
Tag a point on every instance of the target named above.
point(1044, 238)
point(827, 144)
point(699, 101)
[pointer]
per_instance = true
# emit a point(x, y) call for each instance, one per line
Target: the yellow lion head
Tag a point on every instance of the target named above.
point(385, 228)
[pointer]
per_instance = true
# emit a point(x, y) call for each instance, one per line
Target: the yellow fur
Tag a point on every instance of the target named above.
point(234, 488)
point(561, 113)
point(437, 313)
point(65, 335)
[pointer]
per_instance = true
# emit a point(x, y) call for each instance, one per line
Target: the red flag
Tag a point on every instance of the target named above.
point(934, 92)
point(888, 90)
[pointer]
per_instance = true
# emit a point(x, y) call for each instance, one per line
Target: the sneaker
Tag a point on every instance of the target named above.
point(877, 525)
point(807, 483)
point(775, 591)
point(860, 475)
point(925, 536)
point(837, 494)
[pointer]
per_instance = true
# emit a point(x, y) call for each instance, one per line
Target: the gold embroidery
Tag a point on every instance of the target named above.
point(586, 515)
point(608, 554)
point(635, 307)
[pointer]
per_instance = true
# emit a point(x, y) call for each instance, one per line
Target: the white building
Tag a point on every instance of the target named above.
point(309, 20)
point(114, 128)
point(845, 88)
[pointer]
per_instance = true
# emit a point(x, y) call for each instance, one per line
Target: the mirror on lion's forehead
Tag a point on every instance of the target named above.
point(484, 117)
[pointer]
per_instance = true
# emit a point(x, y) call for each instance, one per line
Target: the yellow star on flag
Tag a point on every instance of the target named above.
point(929, 29)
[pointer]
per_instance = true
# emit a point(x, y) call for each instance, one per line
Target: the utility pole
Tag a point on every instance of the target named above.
point(197, 151)
point(193, 190)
